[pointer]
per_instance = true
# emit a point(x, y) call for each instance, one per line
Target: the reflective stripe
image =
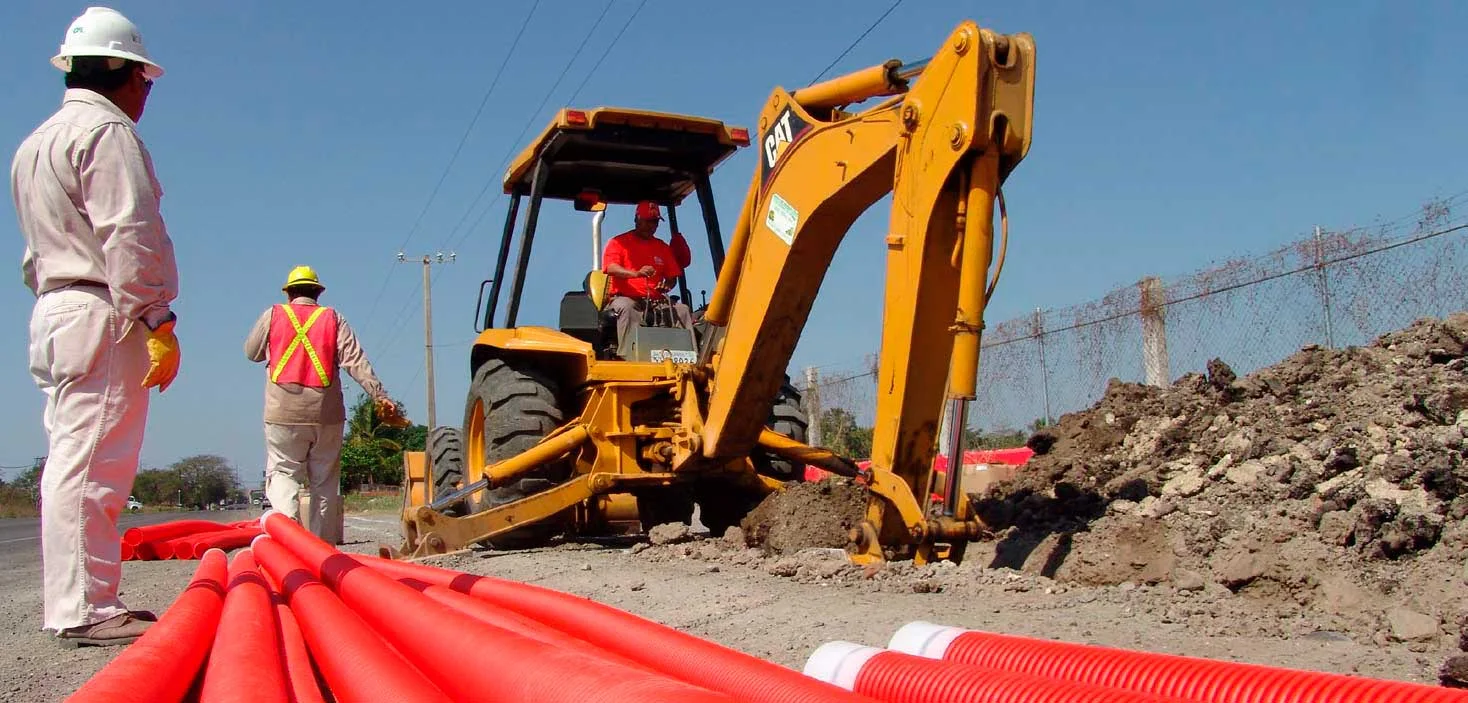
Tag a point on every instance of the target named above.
point(300, 340)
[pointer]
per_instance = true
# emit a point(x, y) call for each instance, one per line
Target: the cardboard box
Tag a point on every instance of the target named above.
point(977, 478)
point(303, 509)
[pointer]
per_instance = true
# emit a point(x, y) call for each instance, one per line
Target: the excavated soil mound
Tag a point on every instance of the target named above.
point(1332, 481)
point(805, 516)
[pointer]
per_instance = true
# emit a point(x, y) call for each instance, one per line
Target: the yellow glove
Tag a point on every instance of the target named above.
point(390, 413)
point(163, 356)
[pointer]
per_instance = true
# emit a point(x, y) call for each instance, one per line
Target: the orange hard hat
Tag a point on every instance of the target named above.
point(648, 210)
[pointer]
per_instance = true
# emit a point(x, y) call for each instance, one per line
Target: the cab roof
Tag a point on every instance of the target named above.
point(624, 154)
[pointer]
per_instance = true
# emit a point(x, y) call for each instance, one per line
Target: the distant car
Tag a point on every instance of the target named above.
point(133, 504)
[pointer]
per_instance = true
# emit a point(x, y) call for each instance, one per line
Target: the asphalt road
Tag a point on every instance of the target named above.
point(20, 537)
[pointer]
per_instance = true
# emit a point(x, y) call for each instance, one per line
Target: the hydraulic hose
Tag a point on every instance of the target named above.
point(654, 645)
point(357, 663)
point(425, 630)
point(296, 657)
point(895, 677)
point(1189, 678)
point(162, 665)
point(245, 663)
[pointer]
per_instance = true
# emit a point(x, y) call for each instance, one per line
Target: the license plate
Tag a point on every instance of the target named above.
point(678, 357)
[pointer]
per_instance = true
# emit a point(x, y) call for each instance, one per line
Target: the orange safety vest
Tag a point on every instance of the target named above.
point(302, 344)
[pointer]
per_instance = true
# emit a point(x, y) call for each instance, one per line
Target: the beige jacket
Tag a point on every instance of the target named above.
point(294, 404)
point(89, 208)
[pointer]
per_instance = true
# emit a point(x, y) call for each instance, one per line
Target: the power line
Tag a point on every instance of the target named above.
point(465, 136)
point(857, 41)
point(452, 159)
point(514, 144)
point(608, 50)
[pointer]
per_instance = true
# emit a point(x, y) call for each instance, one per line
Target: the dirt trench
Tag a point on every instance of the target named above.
point(1324, 493)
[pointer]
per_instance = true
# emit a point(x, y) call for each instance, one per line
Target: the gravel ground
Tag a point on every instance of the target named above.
point(777, 607)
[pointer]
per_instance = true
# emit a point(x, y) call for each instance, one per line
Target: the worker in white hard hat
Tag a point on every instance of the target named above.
point(100, 263)
point(305, 344)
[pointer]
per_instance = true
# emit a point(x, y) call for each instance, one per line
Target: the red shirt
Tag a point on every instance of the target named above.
point(632, 252)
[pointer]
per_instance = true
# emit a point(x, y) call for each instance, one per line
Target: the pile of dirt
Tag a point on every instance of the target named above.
point(1333, 481)
point(805, 516)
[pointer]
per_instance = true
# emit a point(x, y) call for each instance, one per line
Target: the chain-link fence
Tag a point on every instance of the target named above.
point(1329, 288)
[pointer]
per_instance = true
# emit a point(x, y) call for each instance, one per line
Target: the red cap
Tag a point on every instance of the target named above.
point(648, 210)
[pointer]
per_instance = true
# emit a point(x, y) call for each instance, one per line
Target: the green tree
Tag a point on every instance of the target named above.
point(204, 479)
point(157, 486)
point(373, 452)
point(841, 434)
point(1002, 438)
point(30, 481)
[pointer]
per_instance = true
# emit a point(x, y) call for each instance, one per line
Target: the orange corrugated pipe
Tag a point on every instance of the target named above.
point(168, 530)
point(523, 669)
point(245, 663)
point(300, 674)
point(357, 663)
point(163, 664)
point(1191, 678)
point(490, 614)
point(654, 645)
point(896, 677)
point(227, 539)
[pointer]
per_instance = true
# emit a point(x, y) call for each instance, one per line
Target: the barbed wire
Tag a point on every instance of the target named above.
point(1329, 288)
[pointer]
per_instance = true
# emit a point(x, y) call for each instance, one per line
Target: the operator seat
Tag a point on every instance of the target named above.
point(582, 319)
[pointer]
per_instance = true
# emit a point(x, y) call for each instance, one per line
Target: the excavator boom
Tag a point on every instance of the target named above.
point(942, 145)
point(559, 439)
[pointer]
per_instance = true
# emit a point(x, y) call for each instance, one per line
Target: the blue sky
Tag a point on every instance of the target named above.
point(1167, 136)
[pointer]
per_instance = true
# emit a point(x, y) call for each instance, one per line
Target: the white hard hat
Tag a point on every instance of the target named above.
point(103, 31)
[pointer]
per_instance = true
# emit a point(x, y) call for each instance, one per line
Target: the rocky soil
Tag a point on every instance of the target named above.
point(1320, 497)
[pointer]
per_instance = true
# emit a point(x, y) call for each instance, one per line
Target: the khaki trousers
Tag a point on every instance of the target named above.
point(90, 365)
point(629, 314)
point(306, 456)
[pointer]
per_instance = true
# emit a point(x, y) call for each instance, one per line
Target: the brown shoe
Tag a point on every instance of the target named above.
point(119, 629)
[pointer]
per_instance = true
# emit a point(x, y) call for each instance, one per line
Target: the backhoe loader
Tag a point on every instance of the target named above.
point(610, 440)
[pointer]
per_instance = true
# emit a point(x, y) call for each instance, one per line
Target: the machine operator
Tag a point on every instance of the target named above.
point(643, 268)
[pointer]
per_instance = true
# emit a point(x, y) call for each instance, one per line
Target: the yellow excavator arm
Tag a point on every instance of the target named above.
point(944, 137)
point(640, 441)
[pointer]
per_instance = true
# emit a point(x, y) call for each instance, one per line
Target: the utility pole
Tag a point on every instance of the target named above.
point(1324, 286)
point(428, 261)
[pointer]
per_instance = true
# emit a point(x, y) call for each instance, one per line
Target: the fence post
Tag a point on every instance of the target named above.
point(1324, 287)
point(1039, 334)
point(1154, 333)
point(813, 407)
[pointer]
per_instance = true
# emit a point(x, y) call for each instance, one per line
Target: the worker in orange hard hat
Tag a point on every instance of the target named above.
point(100, 262)
point(305, 343)
point(643, 268)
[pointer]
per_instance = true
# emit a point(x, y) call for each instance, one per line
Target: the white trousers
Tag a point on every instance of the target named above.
point(96, 409)
point(309, 456)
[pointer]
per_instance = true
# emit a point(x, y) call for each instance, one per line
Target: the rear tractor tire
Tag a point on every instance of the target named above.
point(510, 408)
point(787, 417)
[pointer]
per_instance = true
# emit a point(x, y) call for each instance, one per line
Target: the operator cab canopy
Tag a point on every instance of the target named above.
point(623, 156)
point(611, 156)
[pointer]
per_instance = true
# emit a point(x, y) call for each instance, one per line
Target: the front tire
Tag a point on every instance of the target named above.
point(445, 445)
